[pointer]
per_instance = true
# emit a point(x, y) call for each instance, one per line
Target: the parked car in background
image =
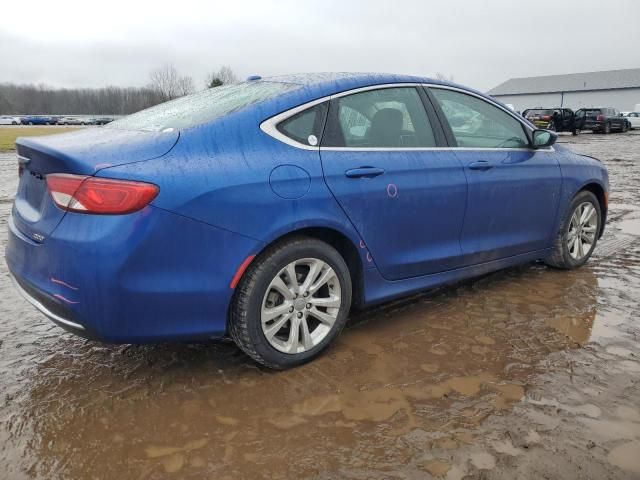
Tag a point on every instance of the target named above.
point(604, 120)
point(37, 120)
point(72, 121)
point(101, 120)
point(7, 120)
point(633, 118)
point(266, 209)
point(556, 119)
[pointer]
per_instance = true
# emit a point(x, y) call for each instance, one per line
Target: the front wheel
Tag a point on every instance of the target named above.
point(578, 234)
point(291, 303)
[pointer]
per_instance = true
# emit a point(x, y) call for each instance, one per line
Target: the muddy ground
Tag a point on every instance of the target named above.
point(528, 373)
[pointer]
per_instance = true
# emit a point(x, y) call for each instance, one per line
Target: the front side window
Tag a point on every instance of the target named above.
point(305, 127)
point(384, 118)
point(478, 124)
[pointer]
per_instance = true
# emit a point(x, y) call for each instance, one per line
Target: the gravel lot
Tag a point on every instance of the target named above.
point(527, 373)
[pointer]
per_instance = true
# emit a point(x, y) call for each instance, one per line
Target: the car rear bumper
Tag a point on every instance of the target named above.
point(145, 277)
point(49, 307)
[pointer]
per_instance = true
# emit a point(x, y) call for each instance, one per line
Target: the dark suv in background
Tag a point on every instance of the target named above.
point(557, 119)
point(603, 119)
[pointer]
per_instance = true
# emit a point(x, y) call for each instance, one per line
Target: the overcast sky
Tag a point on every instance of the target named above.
point(480, 43)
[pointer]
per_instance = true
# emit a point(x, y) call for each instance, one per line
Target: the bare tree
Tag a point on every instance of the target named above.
point(224, 76)
point(165, 80)
point(186, 86)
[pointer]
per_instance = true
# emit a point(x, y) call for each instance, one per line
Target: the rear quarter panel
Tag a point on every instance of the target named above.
point(224, 174)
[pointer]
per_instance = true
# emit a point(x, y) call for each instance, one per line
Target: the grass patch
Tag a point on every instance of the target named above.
point(8, 135)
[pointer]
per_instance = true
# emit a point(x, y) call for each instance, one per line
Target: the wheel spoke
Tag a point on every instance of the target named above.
point(271, 330)
point(580, 247)
point(327, 275)
point(307, 341)
point(591, 215)
point(576, 252)
point(293, 279)
point(294, 335)
point(269, 314)
point(575, 218)
point(323, 317)
point(282, 288)
point(330, 302)
point(314, 269)
point(587, 213)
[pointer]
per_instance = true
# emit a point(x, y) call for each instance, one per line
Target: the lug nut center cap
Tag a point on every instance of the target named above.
point(299, 304)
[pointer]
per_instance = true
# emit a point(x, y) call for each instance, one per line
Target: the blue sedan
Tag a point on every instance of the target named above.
point(268, 209)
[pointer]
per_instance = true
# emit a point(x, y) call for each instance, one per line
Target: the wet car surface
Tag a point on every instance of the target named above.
point(526, 373)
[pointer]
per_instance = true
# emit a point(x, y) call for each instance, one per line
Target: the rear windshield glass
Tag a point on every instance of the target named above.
point(202, 107)
point(593, 111)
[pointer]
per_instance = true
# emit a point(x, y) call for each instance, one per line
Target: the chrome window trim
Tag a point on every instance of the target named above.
point(269, 126)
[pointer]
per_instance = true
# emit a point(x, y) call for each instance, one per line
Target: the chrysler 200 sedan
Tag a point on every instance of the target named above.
point(266, 210)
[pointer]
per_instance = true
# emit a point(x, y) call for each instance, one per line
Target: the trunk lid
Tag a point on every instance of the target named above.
point(83, 152)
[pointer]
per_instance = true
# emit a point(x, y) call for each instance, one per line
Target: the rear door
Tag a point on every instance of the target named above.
point(513, 190)
point(405, 197)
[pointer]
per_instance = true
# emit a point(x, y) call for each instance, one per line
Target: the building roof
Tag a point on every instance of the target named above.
point(572, 82)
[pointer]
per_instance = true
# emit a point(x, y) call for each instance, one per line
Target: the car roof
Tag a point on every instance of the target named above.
point(334, 82)
point(319, 85)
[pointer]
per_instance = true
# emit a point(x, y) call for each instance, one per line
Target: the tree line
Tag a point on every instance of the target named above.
point(165, 83)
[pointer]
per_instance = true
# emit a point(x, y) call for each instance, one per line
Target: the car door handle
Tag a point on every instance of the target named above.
point(364, 172)
point(480, 165)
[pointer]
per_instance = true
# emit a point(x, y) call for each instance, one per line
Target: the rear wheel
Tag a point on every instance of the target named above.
point(578, 234)
point(291, 303)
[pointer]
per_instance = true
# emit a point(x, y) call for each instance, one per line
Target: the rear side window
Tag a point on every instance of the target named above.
point(203, 106)
point(383, 118)
point(478, 124)
point(305, 127)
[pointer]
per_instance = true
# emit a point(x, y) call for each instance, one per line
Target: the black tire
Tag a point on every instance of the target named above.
point(561, 258)
point(625, 128)
point(14, 123)
point(575, 132)
point(245, 316)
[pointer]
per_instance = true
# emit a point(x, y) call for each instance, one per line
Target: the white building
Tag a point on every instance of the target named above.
point(615, 88)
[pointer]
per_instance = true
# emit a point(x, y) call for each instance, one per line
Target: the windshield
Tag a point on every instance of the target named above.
point(202, 107)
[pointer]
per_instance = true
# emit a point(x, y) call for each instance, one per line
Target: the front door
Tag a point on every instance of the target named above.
point(513, 190)
point(405, 197)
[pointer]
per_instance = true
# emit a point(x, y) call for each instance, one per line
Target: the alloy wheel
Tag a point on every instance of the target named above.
point(582, 230)
point(301, 305)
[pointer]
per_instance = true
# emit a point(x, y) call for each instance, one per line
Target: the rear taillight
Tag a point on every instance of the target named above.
point(600, 118)
point(546, 117)
point(82, 194)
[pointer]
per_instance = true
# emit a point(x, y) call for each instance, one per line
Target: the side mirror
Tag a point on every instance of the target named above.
point(543, 138)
